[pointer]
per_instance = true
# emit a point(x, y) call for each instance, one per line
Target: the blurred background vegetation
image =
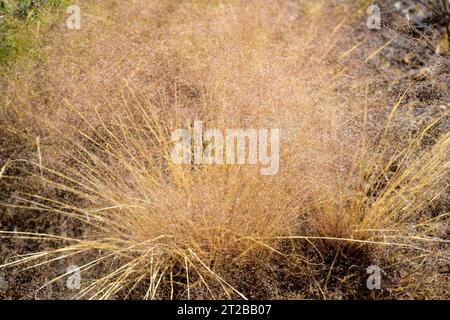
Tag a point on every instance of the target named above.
point(21, 22)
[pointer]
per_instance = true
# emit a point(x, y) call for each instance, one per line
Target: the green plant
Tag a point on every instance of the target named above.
point(18, 24)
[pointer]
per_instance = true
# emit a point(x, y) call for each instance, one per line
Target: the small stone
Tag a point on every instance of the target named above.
point(408, 58)
point(422, 73)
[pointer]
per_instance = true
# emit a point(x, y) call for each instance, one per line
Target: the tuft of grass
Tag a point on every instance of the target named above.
point(353, 189)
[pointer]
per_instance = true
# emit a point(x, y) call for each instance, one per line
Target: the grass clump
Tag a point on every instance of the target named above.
point(359, 182)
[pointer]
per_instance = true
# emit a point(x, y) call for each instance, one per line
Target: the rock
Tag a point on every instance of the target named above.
point(422, 73)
